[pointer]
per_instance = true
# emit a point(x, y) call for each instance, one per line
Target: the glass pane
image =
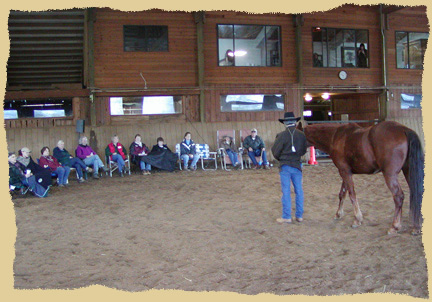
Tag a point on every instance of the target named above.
point(417, 48)
point(325, 47)
point(41, 108)
point(249, 45)
point(332, 48)
point(226, 45)
point(252, 102)
point(317, 46)
point(145, 105)
point(362, 48)
point(273, 46)
point(401, 50)
point(157, 38)
point(339, 44)
point(410, 100)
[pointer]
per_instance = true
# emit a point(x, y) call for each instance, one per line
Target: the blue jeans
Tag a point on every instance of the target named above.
point(78, 164)
point(257, 152)
point(233, 156)
point(94, 161)
point(288, 174)
point(144, 166)
point(119, 160)
point(62, 174)
point(185, 158)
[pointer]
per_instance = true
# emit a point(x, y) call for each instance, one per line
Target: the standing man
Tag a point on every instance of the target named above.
point(255, 147)
point(289, 147)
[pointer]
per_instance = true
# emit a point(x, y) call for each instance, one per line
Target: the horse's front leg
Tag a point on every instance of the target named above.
point(342, 195)
point(348, 180)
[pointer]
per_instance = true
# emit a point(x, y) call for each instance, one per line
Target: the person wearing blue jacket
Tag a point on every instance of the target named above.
point(188, 152)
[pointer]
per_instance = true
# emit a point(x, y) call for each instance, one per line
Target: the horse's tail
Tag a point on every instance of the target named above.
point(415, 177)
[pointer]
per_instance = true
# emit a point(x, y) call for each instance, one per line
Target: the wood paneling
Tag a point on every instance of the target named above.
point(99, 137)
point(116, 68)
point(225, 75)
point(344, 17)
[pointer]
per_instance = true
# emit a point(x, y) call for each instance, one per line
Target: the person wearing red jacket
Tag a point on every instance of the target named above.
point(116, 152)
point(51, 163)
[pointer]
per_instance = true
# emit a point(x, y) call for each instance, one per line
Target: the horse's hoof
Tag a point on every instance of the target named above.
point(415, 232)
point(355, 225)
point(337, 217)
point(392, 231)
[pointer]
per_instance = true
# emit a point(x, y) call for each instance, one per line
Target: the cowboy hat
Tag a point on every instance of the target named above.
point(289, 117)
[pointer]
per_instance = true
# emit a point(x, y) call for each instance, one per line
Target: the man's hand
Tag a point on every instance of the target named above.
point(250, 149)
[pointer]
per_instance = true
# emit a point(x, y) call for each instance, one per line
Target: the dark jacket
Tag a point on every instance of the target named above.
point(63, 156)
point(16, 174)
point(282, 148)
point(187, 149)
point(156, 148)
point(255, 144)
point(135, 149)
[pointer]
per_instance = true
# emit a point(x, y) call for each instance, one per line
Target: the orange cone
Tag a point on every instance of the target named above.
point(312, 159)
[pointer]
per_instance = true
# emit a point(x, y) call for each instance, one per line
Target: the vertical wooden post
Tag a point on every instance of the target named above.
point(89, 71)
point(199, 20)
point(298, 23)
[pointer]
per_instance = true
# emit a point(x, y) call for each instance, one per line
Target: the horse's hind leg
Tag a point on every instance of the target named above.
point(342, 195)
point(398, 197)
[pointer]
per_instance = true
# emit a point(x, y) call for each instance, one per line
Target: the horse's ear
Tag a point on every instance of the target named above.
point(300, 126)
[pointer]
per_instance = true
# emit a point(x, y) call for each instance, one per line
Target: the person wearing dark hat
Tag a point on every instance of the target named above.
point(290, 145)
point(255, 147)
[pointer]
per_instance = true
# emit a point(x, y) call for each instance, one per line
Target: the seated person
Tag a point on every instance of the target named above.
point(161, 156)
point(89, 157)
point(160, 146)
point(187, 152)
point(117, 153)
point(138, 150)
point(49, 162)
point(67, 160)
point(20, 176)
point(255, 147)
point(43, 176)
point(228, 144)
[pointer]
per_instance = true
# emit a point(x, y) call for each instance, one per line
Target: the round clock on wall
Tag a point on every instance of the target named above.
point(343, 74)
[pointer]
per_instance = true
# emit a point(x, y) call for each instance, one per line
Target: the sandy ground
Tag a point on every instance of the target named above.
point(216, 231)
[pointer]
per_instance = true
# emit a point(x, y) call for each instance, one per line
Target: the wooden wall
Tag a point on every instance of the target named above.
point(99, 137)
point(347, 17)
point(116, 68)
point(357, 106)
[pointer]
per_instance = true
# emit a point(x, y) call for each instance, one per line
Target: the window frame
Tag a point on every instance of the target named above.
point(396, 51)
point(283, 95)
point(145, 39)
point(68, 108)
point(355, 42)
point(180, 98)
point(265, 32)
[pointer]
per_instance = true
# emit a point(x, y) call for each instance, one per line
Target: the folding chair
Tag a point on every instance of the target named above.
point(248, 162)
point(112, 165)
point(224, 158)
point(205, 154)
point(21, 188)
point(177, 150)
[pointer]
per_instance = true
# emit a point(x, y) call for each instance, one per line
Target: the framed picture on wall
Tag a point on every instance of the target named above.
point(348, 56)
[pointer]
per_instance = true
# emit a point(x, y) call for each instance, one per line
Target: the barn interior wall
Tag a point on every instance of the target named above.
point(100, 136)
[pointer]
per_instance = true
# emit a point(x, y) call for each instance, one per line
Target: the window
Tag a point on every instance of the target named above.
point(249, 45)
point(145, 38)
point(145, 105)
point(409, 101)
point(252, 102)
point(333, 47)
point(42, 108)
point(410, 49)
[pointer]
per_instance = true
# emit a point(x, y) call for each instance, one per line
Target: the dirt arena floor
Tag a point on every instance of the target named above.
point(216, 231)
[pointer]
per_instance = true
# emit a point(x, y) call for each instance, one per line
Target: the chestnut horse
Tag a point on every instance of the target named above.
point(387, 147)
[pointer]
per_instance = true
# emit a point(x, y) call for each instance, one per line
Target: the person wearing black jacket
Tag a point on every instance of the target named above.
point(42, 175)
point(290, 145)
